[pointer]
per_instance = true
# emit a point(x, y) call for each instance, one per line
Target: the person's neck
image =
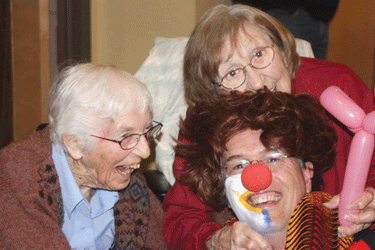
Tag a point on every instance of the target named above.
point(84, 179)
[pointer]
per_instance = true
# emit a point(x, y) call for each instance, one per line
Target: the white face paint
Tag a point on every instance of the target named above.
point(269, 210)
point(257, 218)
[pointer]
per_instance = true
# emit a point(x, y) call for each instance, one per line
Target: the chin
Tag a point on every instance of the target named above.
point(119, 185)
point(124, 185)
point(286, 88)
point(258, 219)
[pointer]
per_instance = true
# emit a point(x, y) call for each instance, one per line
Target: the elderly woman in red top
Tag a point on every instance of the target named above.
point(239, 48)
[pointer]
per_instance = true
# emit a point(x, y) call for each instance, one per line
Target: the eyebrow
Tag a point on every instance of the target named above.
point(125, 131)
point(227, 61)
point(264, 151)
point(233, 157)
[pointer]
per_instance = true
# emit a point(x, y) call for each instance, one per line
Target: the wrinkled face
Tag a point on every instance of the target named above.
point(107, 165)
point(274, 77)
point(268, 210)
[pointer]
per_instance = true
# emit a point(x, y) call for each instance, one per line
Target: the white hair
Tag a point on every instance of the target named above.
point(86, 97)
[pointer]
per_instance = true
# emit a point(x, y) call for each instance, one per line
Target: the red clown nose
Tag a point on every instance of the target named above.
point(256, 177)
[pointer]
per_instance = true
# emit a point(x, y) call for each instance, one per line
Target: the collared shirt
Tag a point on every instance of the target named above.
point(86, 225)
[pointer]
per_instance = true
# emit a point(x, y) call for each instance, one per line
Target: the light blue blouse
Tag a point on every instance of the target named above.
point(86, 225)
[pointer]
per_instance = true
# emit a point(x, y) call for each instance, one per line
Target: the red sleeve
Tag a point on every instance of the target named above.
point(360, 245)
point(188, 224)
point(313, 77)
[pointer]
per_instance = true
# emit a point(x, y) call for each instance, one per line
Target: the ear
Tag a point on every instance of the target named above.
point(73, 145)
point(308, 173)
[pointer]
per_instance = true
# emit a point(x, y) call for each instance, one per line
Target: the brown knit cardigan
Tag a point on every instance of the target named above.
point(31, 210)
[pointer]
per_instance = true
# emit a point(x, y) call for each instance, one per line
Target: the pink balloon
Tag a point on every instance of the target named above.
point(339, 104)
point(356, 172)
point(334, 100)
point(368, 123)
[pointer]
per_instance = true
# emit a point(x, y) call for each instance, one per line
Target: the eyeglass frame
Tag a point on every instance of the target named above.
point(158, 128)
point(225, 169)
point(244, 69)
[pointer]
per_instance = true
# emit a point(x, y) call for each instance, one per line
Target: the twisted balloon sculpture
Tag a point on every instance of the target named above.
point(351, 115)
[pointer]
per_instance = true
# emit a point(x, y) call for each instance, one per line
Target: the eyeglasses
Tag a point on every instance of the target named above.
point(274, 159)
point(261, 58)
point(130, 141)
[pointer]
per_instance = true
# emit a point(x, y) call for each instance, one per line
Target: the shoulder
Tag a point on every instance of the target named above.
point(319, 197)
point(315, 75)
point(309, 65)
point(25, 162)
point(29, 177)
point(35, 147)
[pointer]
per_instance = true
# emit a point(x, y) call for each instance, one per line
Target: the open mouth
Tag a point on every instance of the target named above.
point(264, 198)
point(125, 170)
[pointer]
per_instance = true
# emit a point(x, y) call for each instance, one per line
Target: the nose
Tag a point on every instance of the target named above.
point(254, 79)
point(142, 148)
point(256, 177)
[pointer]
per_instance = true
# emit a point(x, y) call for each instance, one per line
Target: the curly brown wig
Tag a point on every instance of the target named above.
point(296, 124)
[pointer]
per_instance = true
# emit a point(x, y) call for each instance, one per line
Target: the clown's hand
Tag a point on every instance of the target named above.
point(361, 221)
point(238, 236)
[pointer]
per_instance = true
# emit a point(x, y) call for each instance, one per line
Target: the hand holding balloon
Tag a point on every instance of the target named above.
point(351, 115)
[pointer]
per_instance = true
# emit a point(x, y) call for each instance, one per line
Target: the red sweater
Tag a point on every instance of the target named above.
point(188, 223)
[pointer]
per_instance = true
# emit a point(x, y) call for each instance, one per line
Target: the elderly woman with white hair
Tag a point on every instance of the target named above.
point(72, 185)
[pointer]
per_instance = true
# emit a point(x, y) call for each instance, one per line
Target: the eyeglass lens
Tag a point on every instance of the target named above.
point(236, 167)
point(131, 141)
point(261, 59)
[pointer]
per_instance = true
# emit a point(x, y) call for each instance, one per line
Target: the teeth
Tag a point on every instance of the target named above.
point(128, 169)
point(265, 199)
point(134, 166)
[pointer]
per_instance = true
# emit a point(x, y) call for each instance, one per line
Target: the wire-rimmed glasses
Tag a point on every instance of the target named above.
point(273, 159)
point(261, 58)
point(130, 141)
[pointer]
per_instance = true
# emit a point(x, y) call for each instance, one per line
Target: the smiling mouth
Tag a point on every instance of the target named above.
point(125, 170)
point(261, 199)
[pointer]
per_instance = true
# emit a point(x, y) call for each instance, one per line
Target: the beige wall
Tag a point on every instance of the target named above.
point(352, 37)
point(123, 31)
point(30, 65)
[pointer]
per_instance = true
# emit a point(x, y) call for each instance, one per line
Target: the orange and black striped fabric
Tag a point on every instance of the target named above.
point(313, 226)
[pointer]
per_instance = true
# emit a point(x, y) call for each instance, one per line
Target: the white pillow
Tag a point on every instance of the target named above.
point(161, 72)
point(304, 48)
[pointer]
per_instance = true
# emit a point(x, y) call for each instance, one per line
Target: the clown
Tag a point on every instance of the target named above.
point(255, 177)
point(263, 154)
point(270, 189)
